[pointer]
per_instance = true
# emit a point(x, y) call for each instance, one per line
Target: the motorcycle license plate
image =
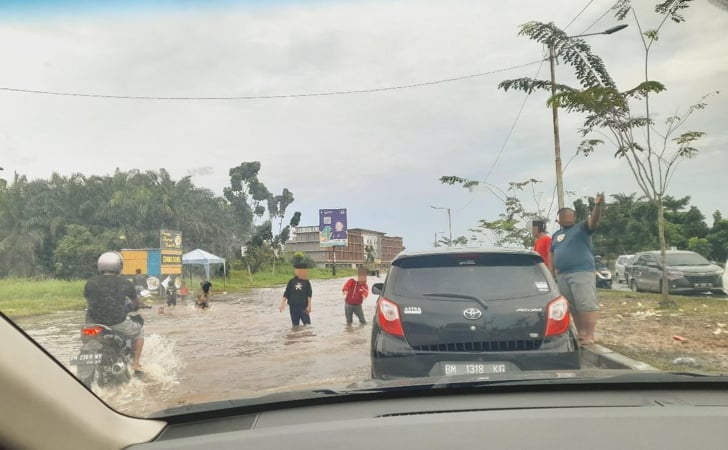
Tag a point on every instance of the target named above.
point(86, 359)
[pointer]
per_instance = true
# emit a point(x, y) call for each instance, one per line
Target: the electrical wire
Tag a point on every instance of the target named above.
point(600, 17)
point(577, 16)
point(505, 142)
point(270, 97)
point(513, 127)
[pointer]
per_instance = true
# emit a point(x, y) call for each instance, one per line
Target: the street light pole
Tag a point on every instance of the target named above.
point(555, 111)
point(449, 226)
point(449, 222)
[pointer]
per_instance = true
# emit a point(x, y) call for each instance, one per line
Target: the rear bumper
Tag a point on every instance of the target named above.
point(393, 357)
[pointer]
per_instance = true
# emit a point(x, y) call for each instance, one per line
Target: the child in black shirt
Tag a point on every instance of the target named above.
point(298, 296)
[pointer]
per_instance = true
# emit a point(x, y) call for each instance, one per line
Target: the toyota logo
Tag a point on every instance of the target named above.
point(472, 313)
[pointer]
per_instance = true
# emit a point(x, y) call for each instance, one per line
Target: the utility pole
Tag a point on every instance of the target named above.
point(555, 110)
point(557, 141)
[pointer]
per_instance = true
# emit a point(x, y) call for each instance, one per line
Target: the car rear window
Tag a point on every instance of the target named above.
point(484, 276)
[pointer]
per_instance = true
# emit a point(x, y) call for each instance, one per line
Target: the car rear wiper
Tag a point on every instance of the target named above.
point(463, 296)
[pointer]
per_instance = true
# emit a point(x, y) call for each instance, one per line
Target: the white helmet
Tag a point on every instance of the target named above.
point(110, 262)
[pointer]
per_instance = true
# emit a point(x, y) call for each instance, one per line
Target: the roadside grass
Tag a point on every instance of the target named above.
point(239, 280)
point(28, 297)
point(693, 336)
point(687, 305)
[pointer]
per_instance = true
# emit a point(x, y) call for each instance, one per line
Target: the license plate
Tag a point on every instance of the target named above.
point(454, 369)
point(86, 359)
point(699, 285)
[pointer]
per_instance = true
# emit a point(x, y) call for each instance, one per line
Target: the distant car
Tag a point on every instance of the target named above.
point(470, 312)
point(687, 272)
point(619, 265)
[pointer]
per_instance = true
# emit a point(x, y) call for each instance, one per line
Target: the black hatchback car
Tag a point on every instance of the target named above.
point(470, 312)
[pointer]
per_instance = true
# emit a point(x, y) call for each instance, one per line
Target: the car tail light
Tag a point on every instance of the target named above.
point(389, 317)
point(557, 317)
point(91, 331)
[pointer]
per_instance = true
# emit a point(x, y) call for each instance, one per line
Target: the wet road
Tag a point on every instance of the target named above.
point(242, 346)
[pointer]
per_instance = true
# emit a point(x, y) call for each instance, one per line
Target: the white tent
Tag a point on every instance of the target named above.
point(201, 257)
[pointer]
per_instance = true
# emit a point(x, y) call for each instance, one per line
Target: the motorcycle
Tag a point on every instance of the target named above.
point(603, 277)
point(105, 356)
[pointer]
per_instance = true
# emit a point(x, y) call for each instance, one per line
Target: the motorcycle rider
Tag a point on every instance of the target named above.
point(106, 296)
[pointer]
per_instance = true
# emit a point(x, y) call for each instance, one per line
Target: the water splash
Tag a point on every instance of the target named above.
point(161, 364)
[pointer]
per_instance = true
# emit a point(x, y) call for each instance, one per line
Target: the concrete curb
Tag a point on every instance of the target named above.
point(604, 357)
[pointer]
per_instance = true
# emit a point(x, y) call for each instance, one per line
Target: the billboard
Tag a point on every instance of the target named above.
point(332, 228)
point(170, 245)
point(170, 240)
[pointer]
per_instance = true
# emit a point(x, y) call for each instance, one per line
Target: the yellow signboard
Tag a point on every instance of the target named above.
point(171, 262)
point(168, 259)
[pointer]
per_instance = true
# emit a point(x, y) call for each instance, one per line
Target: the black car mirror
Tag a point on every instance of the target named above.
point(377, 288)
point(653, 265)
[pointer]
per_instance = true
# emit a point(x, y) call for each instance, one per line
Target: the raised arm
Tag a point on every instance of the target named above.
point(596, 214)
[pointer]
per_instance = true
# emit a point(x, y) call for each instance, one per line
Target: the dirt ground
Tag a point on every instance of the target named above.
point(692, 337)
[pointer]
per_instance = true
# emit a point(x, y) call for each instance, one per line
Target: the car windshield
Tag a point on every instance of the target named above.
point(686, 259)
point(209, 201)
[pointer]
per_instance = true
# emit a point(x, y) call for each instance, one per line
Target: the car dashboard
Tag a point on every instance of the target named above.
point(594, 418)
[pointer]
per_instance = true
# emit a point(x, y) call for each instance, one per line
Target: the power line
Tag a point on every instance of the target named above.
point(270, 97)
point(513, 126)
point(505, 142)
point(577, 16)
point(600, 17)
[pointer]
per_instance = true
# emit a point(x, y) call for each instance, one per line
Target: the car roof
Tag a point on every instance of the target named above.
point(464, 250)
point(671, 252)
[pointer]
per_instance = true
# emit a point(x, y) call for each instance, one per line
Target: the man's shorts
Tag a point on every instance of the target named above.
point(580, 289)
point(129, 329)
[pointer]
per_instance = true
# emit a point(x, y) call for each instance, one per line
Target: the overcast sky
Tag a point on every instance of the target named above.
point(378, 154)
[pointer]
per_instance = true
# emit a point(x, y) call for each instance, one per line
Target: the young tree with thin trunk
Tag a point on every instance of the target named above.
point(652, 155)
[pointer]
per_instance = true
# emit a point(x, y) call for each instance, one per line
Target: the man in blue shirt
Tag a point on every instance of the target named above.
point(572, 264)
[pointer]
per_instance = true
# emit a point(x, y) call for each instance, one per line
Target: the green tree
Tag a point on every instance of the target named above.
point(76, 253)
point(700, 245)
point(512, 228)
point(651, 156)
point(21, 234)
point(718, 238)
point(239, 195)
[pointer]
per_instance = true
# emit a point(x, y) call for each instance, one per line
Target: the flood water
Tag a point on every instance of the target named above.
point(242, 346)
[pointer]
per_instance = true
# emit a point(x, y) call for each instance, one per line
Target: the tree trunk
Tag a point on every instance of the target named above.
point(665, 301)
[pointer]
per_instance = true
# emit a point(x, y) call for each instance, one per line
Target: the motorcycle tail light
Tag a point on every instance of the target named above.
point(91, 331)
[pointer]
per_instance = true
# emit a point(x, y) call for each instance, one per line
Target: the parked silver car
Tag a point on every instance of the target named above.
point(687, 272)
point(622, 260)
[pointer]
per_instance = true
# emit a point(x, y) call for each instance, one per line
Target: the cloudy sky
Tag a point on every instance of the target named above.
point(378, 154)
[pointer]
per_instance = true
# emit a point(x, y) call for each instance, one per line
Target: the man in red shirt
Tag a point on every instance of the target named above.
point(355, 291)
point(542, 240)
